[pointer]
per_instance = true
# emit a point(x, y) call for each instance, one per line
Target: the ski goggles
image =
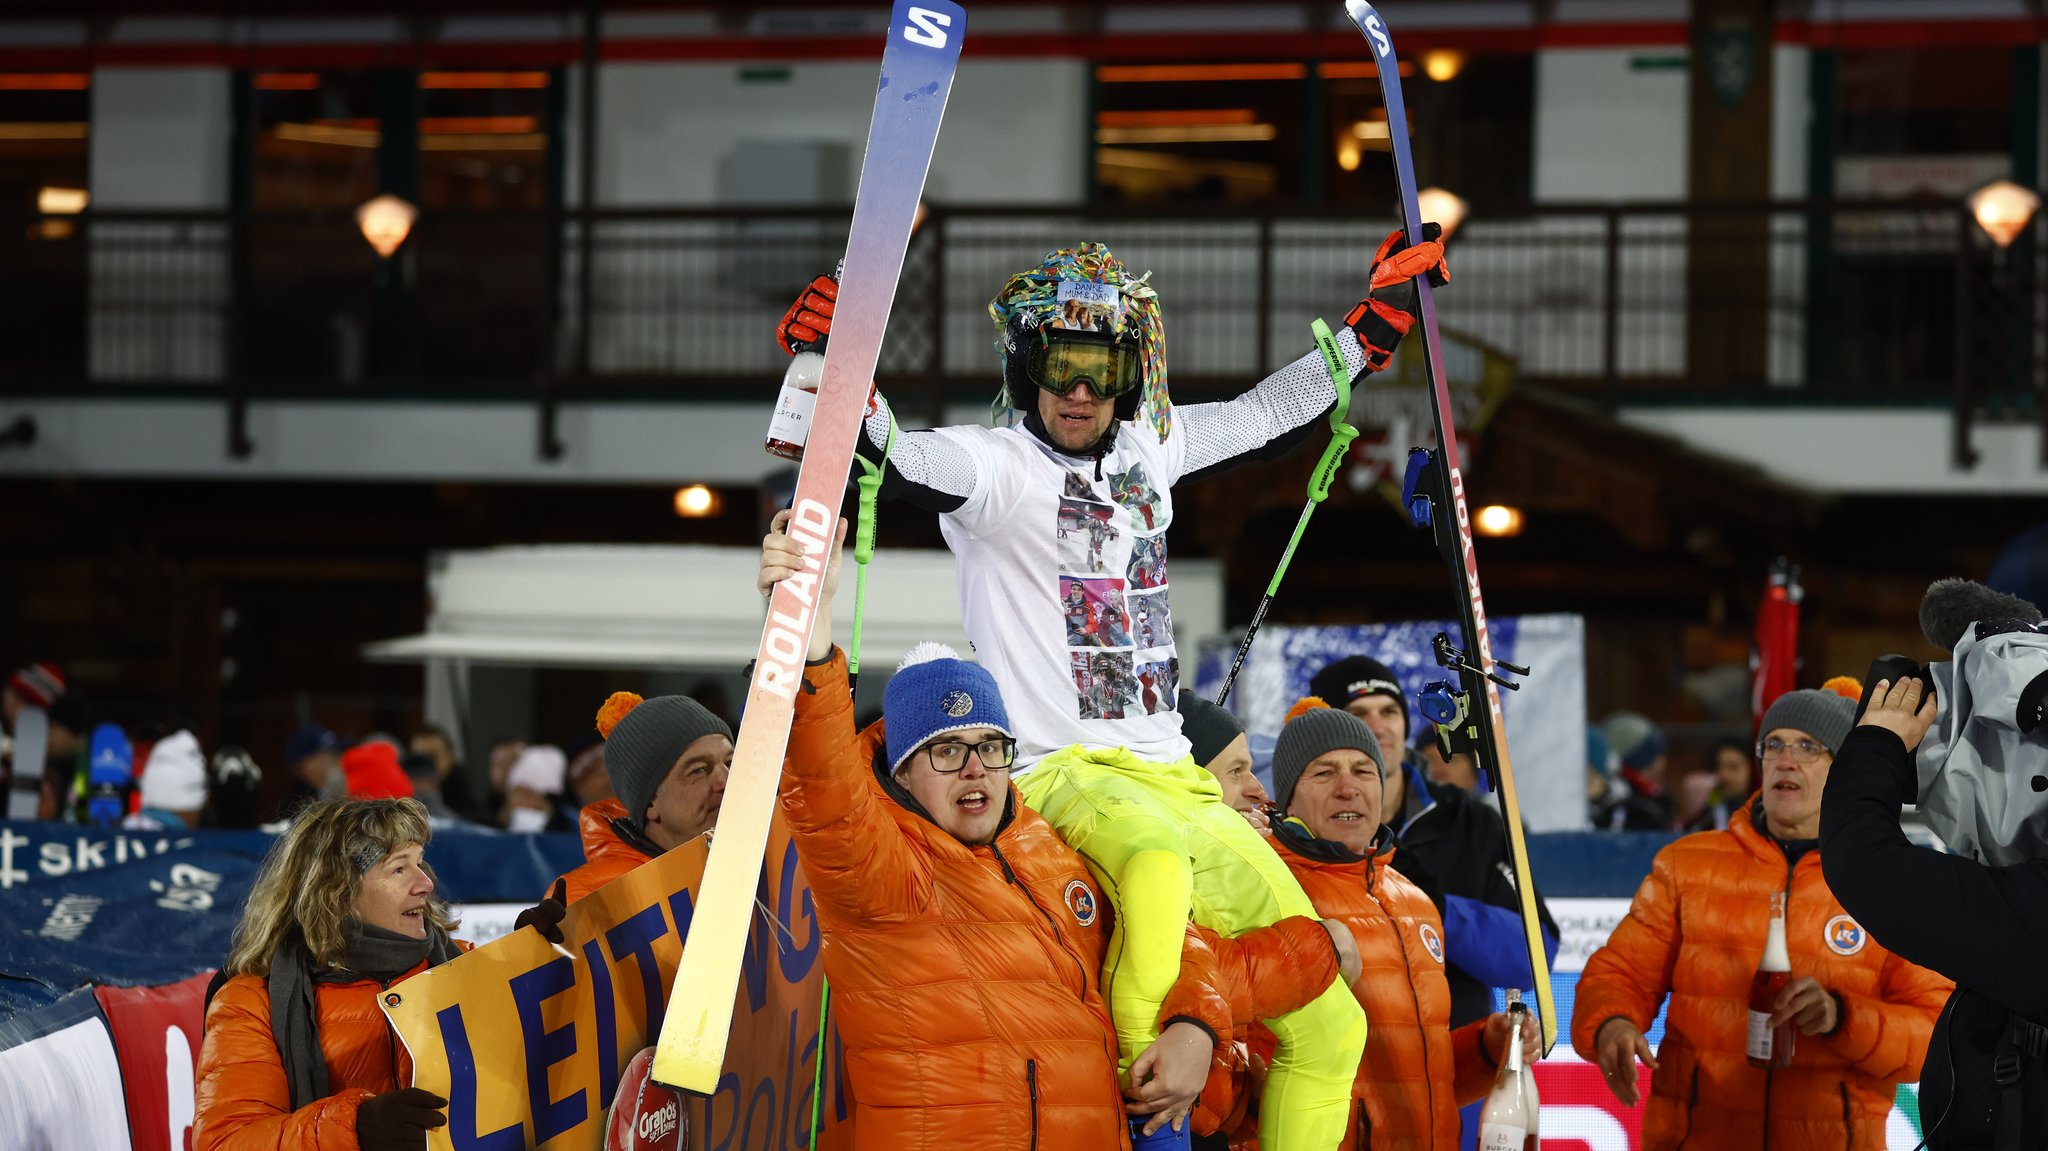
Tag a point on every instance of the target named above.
point(1060, 358)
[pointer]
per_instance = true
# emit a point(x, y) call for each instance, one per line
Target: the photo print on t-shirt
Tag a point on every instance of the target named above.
point(1103, 683)
point(1151, 620)
point(1134, 490)
point(1158, 684)
point(1086, 535)
point(1148, 562)
point(1078, 487)
point(1095, 612)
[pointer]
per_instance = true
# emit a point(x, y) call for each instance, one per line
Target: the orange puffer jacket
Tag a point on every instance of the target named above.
point(965, 978)
point(606, 856)
point(241, 1099)
point(1416, 1070)
point(1696, 931)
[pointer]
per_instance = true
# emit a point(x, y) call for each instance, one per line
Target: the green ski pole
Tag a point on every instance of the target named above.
point(1341, 435)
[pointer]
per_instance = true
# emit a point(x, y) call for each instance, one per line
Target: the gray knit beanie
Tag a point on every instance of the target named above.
point(1317, 732)
point(646, 742)
point(1208, 727)
point(1825, 716)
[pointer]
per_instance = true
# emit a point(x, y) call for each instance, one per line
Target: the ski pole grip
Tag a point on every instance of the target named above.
point(1341, 433)
point(869, 485)
point(1333, 362)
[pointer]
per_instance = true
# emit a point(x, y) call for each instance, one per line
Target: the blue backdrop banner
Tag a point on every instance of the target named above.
point(81, 905)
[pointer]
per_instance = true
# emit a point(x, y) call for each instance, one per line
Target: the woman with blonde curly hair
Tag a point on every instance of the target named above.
point(296, 1052)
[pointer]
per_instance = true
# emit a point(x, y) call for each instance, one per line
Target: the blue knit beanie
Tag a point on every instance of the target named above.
point(934, 691)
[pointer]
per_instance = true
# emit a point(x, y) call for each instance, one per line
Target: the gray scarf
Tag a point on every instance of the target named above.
point(373, 953)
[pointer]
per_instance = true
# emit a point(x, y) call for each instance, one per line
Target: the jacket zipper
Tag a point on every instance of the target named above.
point(1031, 1080)
point(1413, 997)
point(1692, 1100)
point(1050, 922)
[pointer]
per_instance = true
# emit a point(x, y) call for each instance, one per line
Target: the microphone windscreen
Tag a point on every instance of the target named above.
point(1952, 605)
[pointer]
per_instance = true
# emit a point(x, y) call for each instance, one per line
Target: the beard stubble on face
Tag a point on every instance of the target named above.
point(1076, 421)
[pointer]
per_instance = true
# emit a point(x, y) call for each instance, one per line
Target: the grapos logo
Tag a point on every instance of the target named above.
point(928, 27)
point(1373, 28)
point(659, 1125)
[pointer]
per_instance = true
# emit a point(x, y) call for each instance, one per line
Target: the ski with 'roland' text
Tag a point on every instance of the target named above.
point(918, 63)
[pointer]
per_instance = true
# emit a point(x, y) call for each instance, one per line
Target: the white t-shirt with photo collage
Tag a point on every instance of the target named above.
point(1063, 586)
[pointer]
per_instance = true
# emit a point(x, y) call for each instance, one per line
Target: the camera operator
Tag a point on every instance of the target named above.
point(1985, 1079)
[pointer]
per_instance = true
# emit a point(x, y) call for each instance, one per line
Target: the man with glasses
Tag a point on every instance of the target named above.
point(1087, 427)
point(963, 938)
point(1696, 932)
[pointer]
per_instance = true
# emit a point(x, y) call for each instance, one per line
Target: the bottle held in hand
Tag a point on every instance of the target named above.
point(1504, 1118)
point(1771, 1046)
point(1532, 1104)
point(790, 427)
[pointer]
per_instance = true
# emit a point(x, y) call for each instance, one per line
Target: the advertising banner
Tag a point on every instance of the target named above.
point(528, 1040)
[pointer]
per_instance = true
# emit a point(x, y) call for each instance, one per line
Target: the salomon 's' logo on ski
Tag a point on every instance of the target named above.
point(1381, 46)
point(927, 27)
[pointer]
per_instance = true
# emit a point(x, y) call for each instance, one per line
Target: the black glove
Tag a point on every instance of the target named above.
point(399, 1120)
point(546, 916)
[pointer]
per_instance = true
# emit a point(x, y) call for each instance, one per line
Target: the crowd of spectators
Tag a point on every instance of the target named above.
point(59, 762)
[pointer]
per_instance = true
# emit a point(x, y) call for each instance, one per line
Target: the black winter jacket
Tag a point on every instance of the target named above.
point(1984, 927)
point(1453, 846)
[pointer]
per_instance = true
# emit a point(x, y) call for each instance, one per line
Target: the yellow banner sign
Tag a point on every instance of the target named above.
point(527, 1043)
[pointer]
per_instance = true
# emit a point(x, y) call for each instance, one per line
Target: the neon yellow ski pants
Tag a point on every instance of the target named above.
point(1166, 848)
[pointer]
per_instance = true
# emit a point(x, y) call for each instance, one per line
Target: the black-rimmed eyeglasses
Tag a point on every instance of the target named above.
point(949, 756)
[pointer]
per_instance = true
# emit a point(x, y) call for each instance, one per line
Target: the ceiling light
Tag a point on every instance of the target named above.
point(2003, 209)
point(385, 222)
point(52, 201)
point(1443, 64)
point(1498, 520)
point(1187, 134)
point(697, 502)
point(1442, 207)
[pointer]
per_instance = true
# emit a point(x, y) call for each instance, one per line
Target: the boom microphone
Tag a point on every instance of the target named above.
point(1952, 605)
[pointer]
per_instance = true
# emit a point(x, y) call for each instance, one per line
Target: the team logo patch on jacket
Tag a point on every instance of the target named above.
point(1081, 901)
point(1844, 935)
point(1433, 943)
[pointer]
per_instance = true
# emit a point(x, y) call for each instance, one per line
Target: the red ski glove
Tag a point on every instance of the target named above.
point(810, 318)
point(1388, 310)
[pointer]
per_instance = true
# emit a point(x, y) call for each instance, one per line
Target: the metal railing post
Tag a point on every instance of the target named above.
point(1962, 455)
point(1264, 332)
point(1610, 335)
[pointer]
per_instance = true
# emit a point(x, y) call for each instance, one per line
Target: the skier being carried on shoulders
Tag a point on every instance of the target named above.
point(1086, 420)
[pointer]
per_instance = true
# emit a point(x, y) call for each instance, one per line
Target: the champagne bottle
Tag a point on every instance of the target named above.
point(1532, 1104)
point(1504, 1118)
point(1771, 1046)
point(790, 427)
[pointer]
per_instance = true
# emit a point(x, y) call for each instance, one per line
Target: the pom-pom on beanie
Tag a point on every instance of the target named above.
point(934, 691)
point(644, 738)
point(1824, 715)
point(1317, 729)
